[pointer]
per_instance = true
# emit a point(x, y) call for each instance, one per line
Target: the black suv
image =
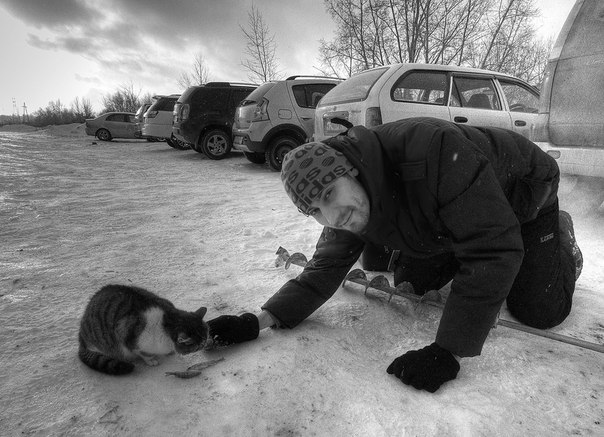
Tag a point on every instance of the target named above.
point(203, 116)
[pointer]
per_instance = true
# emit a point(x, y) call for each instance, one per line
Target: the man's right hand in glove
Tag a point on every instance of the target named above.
point(227, 330)
point(425, 369)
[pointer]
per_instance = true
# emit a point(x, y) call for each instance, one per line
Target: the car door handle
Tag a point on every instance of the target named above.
point(460, 119)
point(306, 118)
point(520, 123)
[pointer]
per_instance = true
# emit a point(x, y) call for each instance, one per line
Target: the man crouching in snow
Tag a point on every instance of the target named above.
point(478, 206)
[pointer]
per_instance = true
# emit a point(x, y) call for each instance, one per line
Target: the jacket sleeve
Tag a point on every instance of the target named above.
point(336, 252)
point(486, 241)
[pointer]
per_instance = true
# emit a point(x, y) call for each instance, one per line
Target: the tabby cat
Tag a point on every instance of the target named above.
point(122, 323)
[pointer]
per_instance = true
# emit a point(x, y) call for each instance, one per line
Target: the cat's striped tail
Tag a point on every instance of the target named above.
point(103, 363)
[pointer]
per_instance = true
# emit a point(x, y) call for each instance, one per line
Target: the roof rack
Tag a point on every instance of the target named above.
point(310, 76)
point(219, 84)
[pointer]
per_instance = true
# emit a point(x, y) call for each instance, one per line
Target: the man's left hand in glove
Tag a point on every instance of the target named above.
point(425, 369)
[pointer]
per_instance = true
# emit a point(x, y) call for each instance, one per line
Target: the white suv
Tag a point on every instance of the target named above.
point(463, 95)
point(157, 121)
point(277, 117)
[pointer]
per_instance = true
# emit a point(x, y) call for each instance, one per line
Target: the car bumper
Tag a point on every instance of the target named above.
point(157, 130)
point(243, 142)
point(580, 161)
point(183, 134)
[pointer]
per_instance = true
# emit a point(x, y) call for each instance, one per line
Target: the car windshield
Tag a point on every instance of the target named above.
point(356, 88)
point(257, 94)
point(164, 104)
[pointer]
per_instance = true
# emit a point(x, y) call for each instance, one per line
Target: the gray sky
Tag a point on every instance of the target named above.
point(63, 49)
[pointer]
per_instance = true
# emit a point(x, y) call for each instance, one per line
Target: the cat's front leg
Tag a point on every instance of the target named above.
point(149, 359)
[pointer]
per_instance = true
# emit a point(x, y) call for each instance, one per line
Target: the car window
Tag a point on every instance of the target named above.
point(422, 87)
point(356, 88)
point(309, 95)
point(115, 117)
point(213, 99)
point(164, 104)
point(130, 118)
point(519, 98)
point(257, 95)
point(237, 96)
point(474, 92)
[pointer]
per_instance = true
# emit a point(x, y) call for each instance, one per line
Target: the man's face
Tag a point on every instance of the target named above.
point(343, 204)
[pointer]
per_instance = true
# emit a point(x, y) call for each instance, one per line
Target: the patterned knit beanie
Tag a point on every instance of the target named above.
point(308, 169)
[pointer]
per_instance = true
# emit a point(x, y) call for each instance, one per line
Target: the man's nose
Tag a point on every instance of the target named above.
point(331, 215)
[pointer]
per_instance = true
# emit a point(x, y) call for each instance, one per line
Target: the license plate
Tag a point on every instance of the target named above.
point(238, 140)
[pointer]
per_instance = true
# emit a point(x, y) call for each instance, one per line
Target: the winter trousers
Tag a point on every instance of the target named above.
point(541, 295)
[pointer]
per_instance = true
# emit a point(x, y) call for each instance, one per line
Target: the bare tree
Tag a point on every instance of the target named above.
point(199, 74)
point(82, 109)
point(124, 99)
point(260, 48)
point(493, 34)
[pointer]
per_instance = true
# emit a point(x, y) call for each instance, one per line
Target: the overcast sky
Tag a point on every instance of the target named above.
point(63, 49)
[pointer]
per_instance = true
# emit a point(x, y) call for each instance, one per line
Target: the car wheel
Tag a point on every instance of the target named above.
point(277, 150)
point(103, 135)
point(216, 144)
point(256, 158)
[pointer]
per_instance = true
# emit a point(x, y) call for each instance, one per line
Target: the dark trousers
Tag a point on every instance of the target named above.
point(541, 295)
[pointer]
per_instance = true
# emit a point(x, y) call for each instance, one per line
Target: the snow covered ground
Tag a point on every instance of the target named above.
point(75, 215)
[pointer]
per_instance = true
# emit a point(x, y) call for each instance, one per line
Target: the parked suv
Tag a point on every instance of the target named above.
point(158, 121)
point(277, 117)
point(570, 125)
point(463, 95)
point(203, 116)
point(139, 119)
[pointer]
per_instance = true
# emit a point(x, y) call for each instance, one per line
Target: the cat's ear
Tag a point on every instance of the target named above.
point(184, 339)
point(201, 311)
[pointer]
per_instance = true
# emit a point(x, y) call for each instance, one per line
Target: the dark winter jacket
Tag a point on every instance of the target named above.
point(435, 187)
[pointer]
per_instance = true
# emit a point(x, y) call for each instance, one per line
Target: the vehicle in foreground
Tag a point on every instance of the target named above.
point(112, 125)
point(158, 121)
point(570, 123)
point(463, 95)
point(277, 117)
point(203, 116)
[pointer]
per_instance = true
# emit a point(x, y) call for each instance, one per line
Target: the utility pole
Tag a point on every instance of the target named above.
point(25, 115)
point(15, 112)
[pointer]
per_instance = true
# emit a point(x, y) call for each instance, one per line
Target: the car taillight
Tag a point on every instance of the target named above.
point(261, 113)
point(184, 111)
point(151, 114)
point(373, 117)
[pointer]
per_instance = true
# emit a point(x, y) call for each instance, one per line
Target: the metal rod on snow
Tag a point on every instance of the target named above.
point(382, 284)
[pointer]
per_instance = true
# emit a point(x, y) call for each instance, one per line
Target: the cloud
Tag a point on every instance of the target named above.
point(151, 42)
point(53, 14)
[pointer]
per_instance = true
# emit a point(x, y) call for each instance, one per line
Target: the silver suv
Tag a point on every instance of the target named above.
point(570, 125)
point(463, 95)
point(277, 117)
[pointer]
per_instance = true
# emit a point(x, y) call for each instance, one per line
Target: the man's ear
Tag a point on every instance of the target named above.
point(353, 172)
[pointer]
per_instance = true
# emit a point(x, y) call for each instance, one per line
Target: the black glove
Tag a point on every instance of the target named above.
point(226, 330)
point(426, 369)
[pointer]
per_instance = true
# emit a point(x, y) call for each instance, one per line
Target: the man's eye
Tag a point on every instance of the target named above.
point(327, 194)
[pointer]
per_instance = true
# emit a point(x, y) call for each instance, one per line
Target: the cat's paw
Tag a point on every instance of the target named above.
point(149, 359)
point(152, 361)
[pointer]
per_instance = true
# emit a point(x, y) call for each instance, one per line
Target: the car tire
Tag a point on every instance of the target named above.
point(103, 135)
point(277, 149)
point(216, 144)
point(256, 158)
